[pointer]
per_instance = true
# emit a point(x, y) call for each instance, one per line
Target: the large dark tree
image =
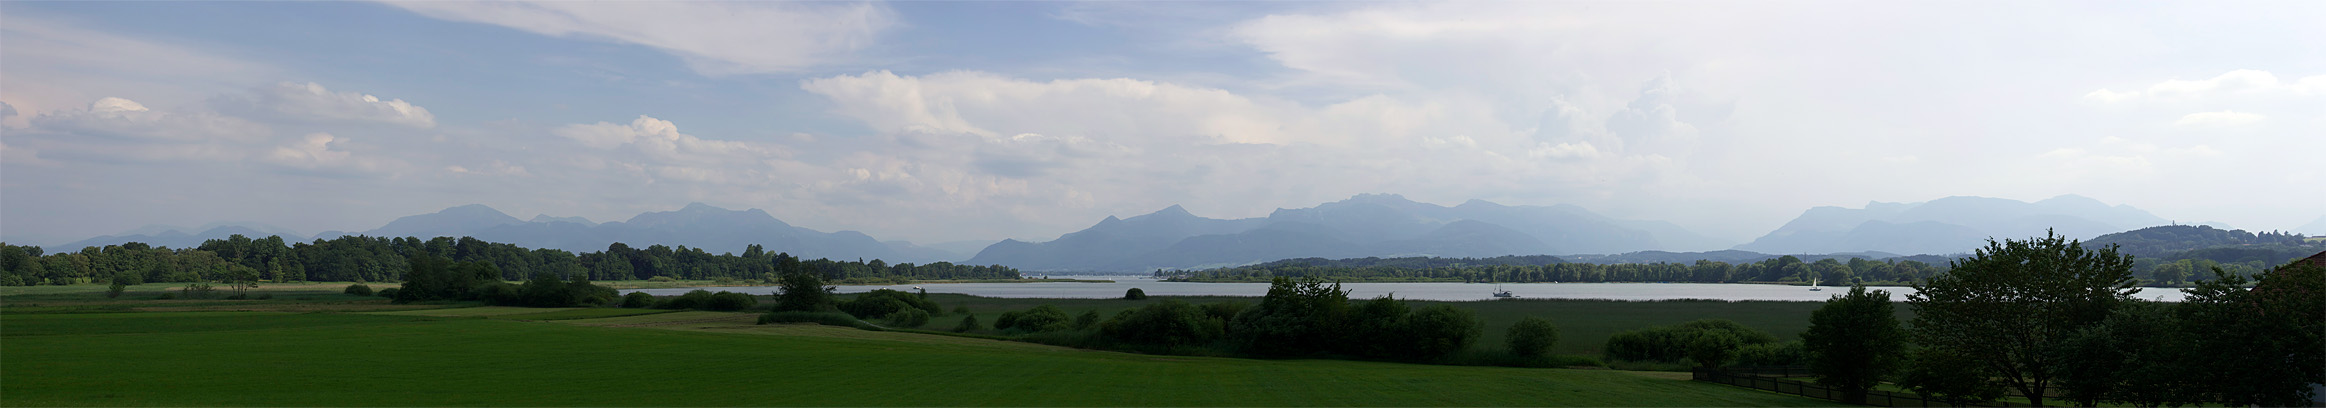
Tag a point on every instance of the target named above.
point(1853, 341)
point(803, 292)
point(2007, 303)
point(2263, 346)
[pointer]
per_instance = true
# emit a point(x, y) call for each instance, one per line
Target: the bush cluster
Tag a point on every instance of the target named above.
point(544, 290)
point(358, 290)
point(700, 299)
point(636, 300)
point(1044, 318)
point(881, 303)
point(823, 318)
point(1708, 342)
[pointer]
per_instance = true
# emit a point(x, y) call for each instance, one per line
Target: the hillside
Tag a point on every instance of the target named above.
point(1368, 225)
point(2165, 240)
point(1948, 225)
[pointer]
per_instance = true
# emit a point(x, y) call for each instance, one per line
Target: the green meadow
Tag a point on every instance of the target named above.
point(478, 356)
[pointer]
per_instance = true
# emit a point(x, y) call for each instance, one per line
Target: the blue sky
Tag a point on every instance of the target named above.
point(944, 121)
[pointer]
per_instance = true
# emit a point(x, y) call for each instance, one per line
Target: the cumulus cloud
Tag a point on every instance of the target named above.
point(2219, 119)
point(654, 148)
point(715, 38)
point(125, 119)
point(312, 151)
point(311, 101)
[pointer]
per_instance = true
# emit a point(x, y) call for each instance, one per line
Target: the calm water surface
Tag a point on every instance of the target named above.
point(1416, 291)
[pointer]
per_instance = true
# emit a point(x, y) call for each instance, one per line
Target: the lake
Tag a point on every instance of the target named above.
point(1416, 291)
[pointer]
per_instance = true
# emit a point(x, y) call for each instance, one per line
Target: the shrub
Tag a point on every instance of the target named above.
point(823, 318)
point(1671, 344)
point(803, 292)
point(1712, 348)
point(907, 318)
point(1135, 294)
point(1441, 330)
point(1224, 310)
point(968, 324)
point(694, 299)
point(197, 290)
point(388, 293)
point(501, 294)
point(166, 296)
point(115, 290)
point(1532, 337)
point(1038, 319)
point(1165, 324)
point(729, 301)
point(1296, 317)
point(961, 310)
point(637, 300)
point(883, 302)
point(1377, 328)
point(1772, 354)
point(358, 290)
point(1086, 320)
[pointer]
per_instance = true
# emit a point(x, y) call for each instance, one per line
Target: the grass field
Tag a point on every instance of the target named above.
point(338, 359)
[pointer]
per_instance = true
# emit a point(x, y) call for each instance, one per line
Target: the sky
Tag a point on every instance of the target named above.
point(940, 121)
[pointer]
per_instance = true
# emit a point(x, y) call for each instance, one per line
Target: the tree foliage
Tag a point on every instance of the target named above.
point(1532, 337)
point(2008, 302)
point(1854, 341)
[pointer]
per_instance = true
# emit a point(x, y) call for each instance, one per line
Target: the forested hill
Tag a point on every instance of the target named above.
point(2165, 240)
point(384, 259)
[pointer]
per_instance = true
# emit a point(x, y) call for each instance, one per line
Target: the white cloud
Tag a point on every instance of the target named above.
point(654, 148)
point(2219, 119)
point(1577, 150)
point(128, 120)
point(716, 38)
point(312, 151)
point(2243, 82)
point(55, 65)
point(963, 141)
point(312, 101)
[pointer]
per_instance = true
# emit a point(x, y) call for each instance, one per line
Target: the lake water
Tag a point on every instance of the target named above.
point(1415, 291)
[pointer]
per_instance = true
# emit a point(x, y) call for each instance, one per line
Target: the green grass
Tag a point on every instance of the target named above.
point(574, 314)
point(374, 360)
point(477, 311)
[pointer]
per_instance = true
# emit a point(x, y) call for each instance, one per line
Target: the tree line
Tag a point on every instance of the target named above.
point(387, 259)
point(1297, 318)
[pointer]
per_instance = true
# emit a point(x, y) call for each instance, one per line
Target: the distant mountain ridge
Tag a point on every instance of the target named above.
point(1947, 225)
point(1366, 225)
point(713, 229)
point(697, 225)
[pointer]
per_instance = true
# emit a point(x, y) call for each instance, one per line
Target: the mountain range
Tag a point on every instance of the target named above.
point(1945, 226)
point(1366, 225)
point(1384, 225)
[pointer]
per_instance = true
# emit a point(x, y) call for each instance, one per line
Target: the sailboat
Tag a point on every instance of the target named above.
point(1813, 283)
point(1500, 293)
